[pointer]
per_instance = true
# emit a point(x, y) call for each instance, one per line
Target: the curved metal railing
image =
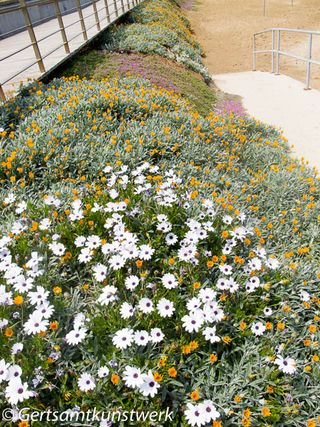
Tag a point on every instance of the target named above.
point(276, 50)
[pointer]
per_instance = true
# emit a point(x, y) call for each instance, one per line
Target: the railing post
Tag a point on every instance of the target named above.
point(128, 4)
point(107, 10)
point(83, 25)
point(309, 62)
point(278, 53)
point(272, 58)
point(2, 94)
point(94, 4)
point(115, 8)
point(61, 25)
point(122, 6)
point(254, 54)
point(32, 35)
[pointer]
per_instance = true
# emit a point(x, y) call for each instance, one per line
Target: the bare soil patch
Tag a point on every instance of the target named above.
point(225, 29)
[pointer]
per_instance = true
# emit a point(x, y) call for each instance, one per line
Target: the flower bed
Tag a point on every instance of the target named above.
point(157, 27)
point(118, 198)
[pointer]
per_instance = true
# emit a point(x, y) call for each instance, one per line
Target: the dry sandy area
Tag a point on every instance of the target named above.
point(225, 28)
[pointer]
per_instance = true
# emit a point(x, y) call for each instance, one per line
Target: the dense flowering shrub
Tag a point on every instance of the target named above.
point(91, 234)
point(158, 27)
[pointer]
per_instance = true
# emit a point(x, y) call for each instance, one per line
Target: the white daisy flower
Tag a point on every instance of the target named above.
point(116, 262)
point(86, 382)
point(132, 377)
point(123, 338)
point(165, 308)
point(193, 321)
point(171, 239)
point(35, 324)
point(108, 295)
point(132, 282)
point(126, 310)
point(100, 272)
point(210, 335)
point(169, 281)
point(195, 415)
point(58, 249)
point(149, 387)
point(4, 370)
point(145, 305)
point(209, 411)
point(156, 335)
point(75, 336)
point(16, 391)
point(258, 328)
point(146, 252)
point(141, 337)
point(103, 372)
point(287, 365)
point(267, 311)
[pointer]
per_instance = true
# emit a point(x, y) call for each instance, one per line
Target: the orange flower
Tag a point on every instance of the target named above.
point(139, 263)
point(8, 332)
point(243, 325)
point(18, 300)
point(313, 329)
point(213, 358)
point(23, 424)
point(157, 377)
point(269, 325)
point(115, 379)
point(196, 285)
point(171, 261)
point(194, 395)
point(54, 326)
point(186, 349)
point(172, 372)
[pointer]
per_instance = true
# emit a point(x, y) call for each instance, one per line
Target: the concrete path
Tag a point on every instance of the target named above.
point(282, 102)
point(53, 38)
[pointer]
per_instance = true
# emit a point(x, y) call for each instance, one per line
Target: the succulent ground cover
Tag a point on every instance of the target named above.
point(154, 42)
point(154, 258)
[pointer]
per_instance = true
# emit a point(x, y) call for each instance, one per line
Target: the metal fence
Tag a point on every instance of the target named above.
point(95, 15)
point(276, 50)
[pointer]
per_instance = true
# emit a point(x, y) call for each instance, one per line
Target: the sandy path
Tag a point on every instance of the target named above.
point(225, 29)
point(282, 102)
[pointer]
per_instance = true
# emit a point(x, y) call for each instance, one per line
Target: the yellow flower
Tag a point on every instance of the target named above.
point(265, 411)
point(57, 290)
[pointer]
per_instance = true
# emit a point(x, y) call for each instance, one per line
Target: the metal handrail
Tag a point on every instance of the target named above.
point(119, 7)
point(276, 50)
